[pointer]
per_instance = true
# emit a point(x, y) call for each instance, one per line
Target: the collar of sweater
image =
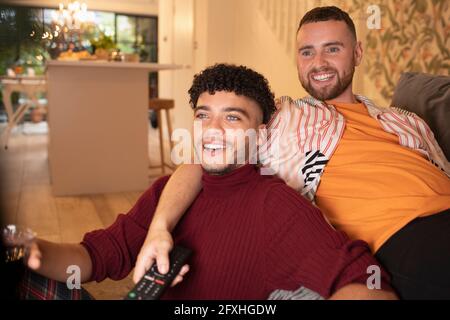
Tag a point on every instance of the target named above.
point(230, 183)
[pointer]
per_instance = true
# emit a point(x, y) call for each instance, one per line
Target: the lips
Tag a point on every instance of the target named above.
point(213, 146)
point(322, 77)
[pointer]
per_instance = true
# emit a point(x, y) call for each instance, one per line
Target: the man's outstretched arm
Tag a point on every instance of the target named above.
point(178, 194)
point(52, 259)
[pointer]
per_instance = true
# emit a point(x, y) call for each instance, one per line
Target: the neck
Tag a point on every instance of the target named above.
point(229, 183)
point(345, 97)
point(224, 171)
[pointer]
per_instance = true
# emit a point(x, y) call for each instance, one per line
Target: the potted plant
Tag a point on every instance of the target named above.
point(102, 46)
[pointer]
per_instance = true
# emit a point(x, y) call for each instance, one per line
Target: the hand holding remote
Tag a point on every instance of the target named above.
point(153, 283)
point(156, 248)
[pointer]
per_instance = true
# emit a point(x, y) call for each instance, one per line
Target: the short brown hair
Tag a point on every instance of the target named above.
point(326, 14)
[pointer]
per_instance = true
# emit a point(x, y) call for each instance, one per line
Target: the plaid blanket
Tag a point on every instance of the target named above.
point(36, 287)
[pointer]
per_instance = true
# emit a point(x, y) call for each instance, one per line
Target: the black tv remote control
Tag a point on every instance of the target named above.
point(153, 283)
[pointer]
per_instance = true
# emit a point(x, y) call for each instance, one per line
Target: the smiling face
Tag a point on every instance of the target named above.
point(223, 116)
point(327, 54)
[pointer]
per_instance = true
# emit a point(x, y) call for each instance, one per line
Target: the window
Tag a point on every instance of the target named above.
point(22, 28)
point(137, 35)
point(132, 34)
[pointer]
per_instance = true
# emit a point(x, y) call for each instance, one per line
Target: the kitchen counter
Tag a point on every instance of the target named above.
point(112, 64)
point(98, 125)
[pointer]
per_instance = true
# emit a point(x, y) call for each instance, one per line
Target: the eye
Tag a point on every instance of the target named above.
point(306, 53)
point(232, 118)
point(201, 116)
point(334, 49)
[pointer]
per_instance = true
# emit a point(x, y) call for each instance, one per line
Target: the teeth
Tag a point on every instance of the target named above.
point(323, 77)
point(213, 146)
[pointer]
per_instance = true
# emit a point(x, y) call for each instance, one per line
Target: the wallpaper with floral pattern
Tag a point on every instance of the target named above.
point(414, 36)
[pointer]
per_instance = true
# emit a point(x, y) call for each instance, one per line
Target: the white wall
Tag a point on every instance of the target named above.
point(176, 45)
point(235, 31)
point(219, 28)
point(200, 33)
point(257, 44)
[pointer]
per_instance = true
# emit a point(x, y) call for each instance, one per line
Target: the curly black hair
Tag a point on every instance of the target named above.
point(241, 80)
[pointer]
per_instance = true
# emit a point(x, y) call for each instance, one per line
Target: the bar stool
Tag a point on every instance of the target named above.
point(31, 86)
point(159, 105)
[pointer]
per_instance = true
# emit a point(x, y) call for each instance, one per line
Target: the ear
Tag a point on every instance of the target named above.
point(358, 53)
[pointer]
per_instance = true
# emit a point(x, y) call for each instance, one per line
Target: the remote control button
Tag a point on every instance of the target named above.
point(160, 282)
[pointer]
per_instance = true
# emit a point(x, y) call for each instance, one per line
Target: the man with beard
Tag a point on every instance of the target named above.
point(378, 174)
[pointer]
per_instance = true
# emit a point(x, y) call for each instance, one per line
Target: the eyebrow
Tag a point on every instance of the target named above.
point(334, 43)
point(305, 47)
point(227, 109)
point(328, 44)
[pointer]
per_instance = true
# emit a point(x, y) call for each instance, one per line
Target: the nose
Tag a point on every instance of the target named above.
point(320, 61)
point(213, 129)
point(215, 124)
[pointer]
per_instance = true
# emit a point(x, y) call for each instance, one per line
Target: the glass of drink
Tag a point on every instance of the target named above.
point(17, 241)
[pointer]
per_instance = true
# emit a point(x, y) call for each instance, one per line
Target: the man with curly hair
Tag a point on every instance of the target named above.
point(245, 245)
point(376, 173)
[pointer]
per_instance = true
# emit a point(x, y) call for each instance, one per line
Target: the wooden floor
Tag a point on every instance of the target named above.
point(28, 201)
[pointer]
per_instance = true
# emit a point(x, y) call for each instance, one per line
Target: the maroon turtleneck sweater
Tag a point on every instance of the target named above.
point(250, 235)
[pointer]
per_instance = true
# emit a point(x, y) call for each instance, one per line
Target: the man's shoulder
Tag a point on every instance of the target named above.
point(287, 107)
point(268, 181)
point(282, 205)
point(278, 192)
point(307, 101)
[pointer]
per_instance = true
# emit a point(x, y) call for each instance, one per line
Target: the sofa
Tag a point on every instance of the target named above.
point(428, 96)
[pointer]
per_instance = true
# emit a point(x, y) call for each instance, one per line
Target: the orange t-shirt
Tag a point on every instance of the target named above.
point(373, 186)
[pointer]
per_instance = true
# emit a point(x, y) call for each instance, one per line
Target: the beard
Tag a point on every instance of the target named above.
point(224, 161)
point(219, 171)
point(332, 91)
